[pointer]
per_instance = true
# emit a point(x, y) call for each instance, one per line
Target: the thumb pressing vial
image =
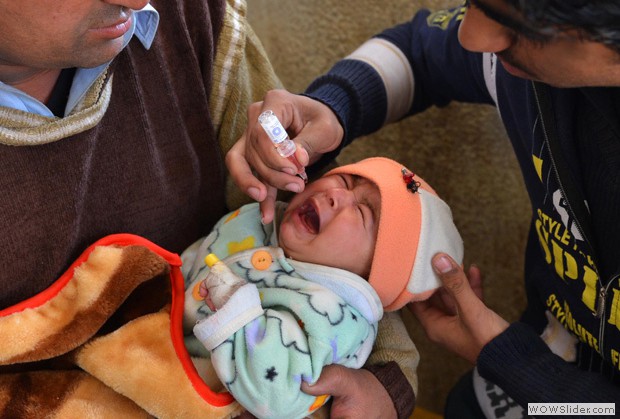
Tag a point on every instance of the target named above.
point(284, 145)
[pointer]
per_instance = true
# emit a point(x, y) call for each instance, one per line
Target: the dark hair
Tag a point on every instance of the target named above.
point(595, 20)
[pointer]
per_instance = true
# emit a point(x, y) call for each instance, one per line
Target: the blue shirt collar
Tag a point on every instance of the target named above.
point(147, 21)
point(144, 27)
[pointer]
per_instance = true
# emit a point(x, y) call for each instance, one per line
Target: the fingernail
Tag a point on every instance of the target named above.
point(293, 187)
point(254, 193)
point(309, 381)
point(289, 171)
point(442, 264)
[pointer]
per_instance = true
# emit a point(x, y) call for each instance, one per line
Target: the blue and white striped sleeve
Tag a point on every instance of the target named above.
point(403, 71)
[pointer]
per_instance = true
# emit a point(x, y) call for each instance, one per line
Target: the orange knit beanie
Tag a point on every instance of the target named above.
point(414, 225)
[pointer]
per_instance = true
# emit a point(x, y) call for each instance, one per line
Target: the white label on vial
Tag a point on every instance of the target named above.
point(274, 129)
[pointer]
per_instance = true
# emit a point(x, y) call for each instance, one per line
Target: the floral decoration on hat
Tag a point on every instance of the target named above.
point(412, 184)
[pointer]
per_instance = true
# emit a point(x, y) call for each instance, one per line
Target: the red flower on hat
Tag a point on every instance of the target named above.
point(408, 177)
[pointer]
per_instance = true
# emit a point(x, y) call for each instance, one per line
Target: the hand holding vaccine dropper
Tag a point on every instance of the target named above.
point(284, 145)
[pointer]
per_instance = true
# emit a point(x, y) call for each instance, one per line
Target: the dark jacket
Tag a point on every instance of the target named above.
point(573, 253)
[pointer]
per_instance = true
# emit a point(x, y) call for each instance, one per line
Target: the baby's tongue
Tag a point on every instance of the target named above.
point(309, 217)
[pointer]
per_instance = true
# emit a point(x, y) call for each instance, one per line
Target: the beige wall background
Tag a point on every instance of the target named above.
point(461, 150)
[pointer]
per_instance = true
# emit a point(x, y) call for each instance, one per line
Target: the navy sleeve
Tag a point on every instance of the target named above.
point(525, 368)
point(443, 71)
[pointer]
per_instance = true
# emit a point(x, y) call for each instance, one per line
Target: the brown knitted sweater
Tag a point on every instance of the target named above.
point(151, 166)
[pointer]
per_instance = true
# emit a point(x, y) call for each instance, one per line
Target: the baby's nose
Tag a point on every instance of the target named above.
point(340, 197)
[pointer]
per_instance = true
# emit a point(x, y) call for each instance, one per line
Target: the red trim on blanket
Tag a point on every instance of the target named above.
point(122, 239)
point(176, 332)
point(176, 311)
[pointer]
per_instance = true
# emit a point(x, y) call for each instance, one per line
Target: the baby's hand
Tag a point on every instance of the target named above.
point(204, 293)
point(220, 284)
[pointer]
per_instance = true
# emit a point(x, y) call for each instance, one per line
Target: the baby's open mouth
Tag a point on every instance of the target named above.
point(309, 217)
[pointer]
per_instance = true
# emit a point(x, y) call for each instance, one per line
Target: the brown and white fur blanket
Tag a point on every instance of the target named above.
point(106, 340)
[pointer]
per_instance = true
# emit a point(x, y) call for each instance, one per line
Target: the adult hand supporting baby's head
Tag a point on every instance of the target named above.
point(455, 316)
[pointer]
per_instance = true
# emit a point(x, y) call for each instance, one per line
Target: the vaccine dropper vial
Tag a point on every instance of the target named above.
point(284, 145)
